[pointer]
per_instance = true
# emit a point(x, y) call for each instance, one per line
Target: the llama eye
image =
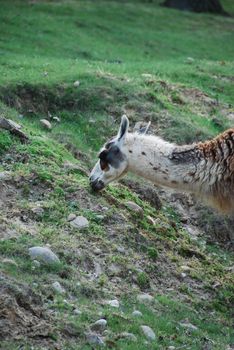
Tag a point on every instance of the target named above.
point(103, 164)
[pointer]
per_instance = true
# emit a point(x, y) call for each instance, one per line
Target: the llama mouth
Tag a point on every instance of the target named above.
point(97, 185)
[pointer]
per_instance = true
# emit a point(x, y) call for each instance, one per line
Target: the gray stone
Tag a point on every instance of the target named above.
point(80, 222)
point(188, 325)
point(185, 268)
point(99, 325)
point(76, 83)
point(135, 207)
point(39, 211)
point(58, 288)
point(171, 347)
point(36, 263)
point(128, 336)
point(183, 275)
point(144, 298)
point(148, 332)
point(137, 313)
point(71, 217)
point(94, 339)
point(44, 255)
point(77, 312)
point(97, 251)
point(113, 303)
point(120, 249)
point(5, 175)
point(46, 124)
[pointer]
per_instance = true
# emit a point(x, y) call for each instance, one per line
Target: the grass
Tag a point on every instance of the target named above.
point(173, 68)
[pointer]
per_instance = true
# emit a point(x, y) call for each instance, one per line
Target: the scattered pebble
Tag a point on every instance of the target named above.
point(77, 312)
point(185, 268)
point(36, 263)
point(71, 217)
point(5, 175)
point(76, 83)
point(171, 347)
point(94, 339)
point(38, 211)
point(135, 207)
point(144, 298)
point(137, 313)
point(128, 336)
point(43, 254)
point(80, 222)
point(148, 332)
point(120, 250)
point(113, 303)
point(99, 325)
point(183, 275)
point(151, 220)
point(188, 325)
point(97, 251)
point(46, 124)
point(58, 288)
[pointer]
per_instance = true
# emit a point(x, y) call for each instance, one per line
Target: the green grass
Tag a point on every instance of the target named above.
point(130, 57)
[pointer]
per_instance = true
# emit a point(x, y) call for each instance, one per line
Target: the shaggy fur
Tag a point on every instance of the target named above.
point(206, 169)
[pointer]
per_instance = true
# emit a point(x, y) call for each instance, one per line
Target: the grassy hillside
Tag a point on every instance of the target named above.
point(173, 68)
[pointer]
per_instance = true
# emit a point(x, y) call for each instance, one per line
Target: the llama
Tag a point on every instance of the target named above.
point(205, 169)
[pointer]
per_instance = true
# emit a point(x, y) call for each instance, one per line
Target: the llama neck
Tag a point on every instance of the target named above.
point(152, 158)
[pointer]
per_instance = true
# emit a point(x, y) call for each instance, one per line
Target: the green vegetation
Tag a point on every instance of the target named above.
point(173, 68)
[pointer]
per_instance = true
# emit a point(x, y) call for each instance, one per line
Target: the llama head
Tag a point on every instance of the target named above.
point(113, 158)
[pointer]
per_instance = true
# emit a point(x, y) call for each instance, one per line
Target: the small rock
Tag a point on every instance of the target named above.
point(188, 325)
point(171, 347)
point(43, 254)
point(46, 124)
point(183, 275)
point(144, 298)
point(113, 303)
point(58, 288)
point(114, 269)
point(135, 207)
point(10, 262)
point(71, 217)
point(80, 222)
point(76, 83)
point(128, 336)
point(94, 339)
point(38, 211)
point(120, 250)
point(100, 217)
point(189, 60)
point(137, 313)
point(77, 312)
point(185, 268)
point(5, 175)
point(36, 263)
point(99, 325)
point(148, 332)
point(97, 251)
point(151, 220)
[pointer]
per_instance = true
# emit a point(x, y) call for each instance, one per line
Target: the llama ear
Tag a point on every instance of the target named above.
point(145, 129)
point(123, 129)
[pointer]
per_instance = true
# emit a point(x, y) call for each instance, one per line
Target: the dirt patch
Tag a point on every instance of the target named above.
point(21, 312)
point(145, 192)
